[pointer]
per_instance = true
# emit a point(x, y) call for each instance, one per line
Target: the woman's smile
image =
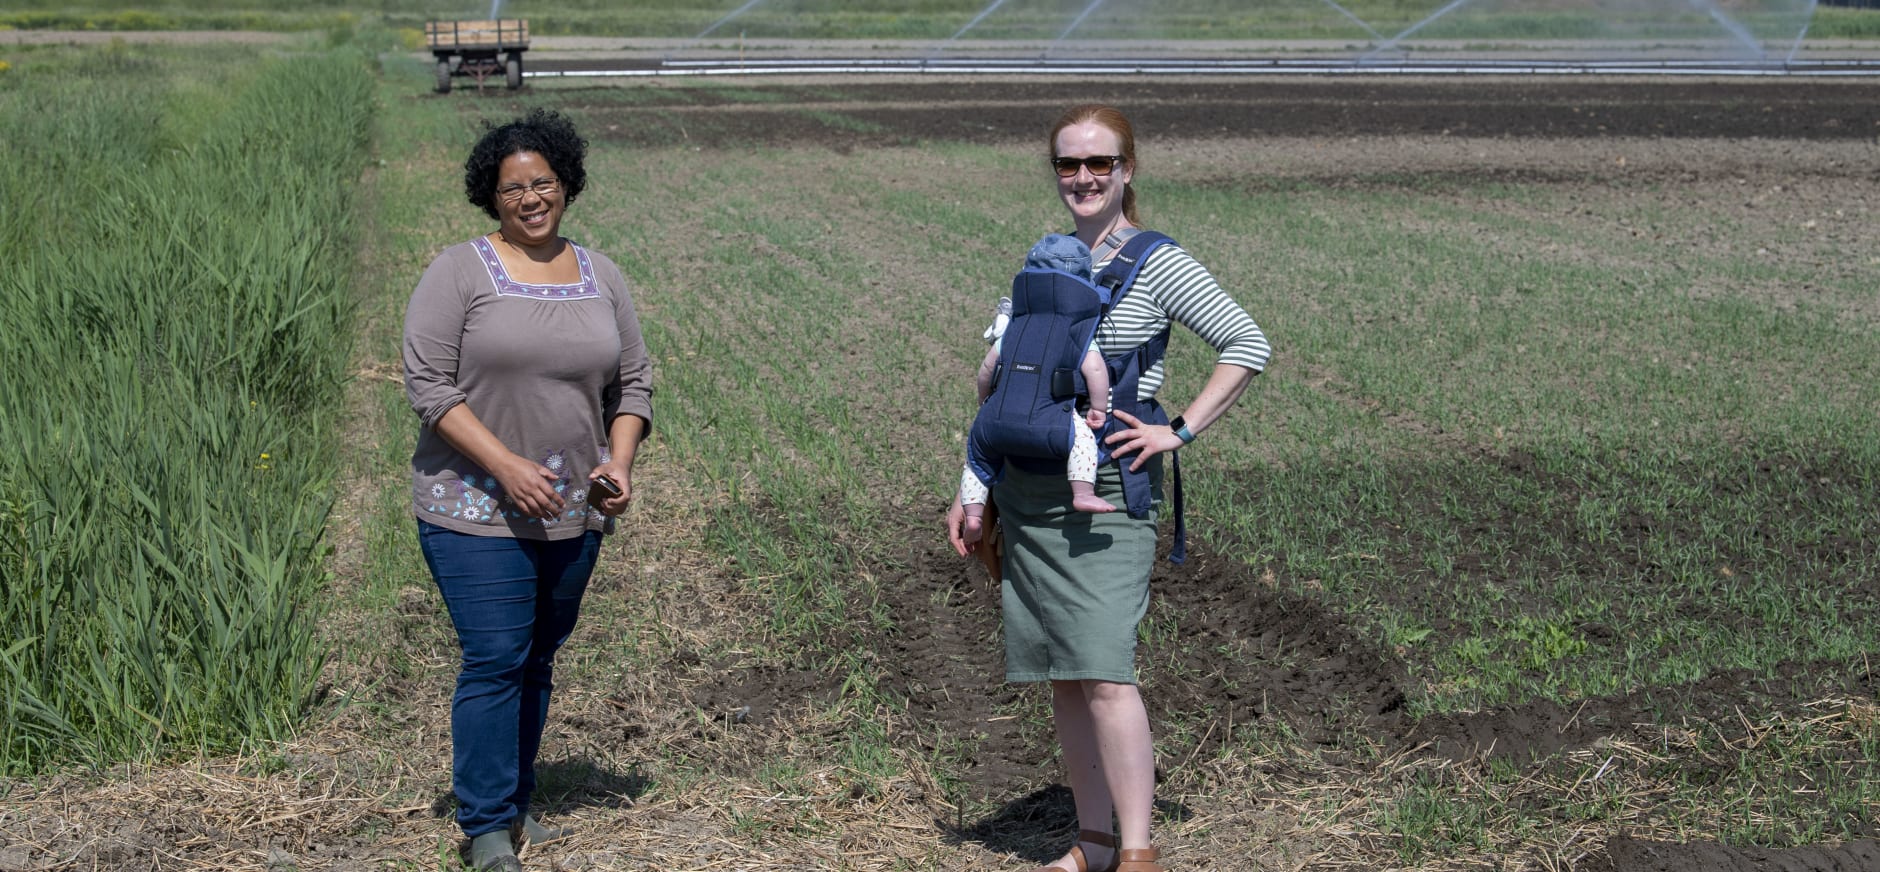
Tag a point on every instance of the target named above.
point(529, 202)
point(1092, 198)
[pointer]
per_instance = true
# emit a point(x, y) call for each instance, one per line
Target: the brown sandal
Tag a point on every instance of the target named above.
point(1077, 852)
point(1139, 860)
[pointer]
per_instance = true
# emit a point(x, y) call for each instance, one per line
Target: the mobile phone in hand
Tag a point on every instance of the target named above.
point(603, 488)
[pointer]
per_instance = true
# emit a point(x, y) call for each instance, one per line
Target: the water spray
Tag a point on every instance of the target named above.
point(993, 7)
point(1391, 43)
point(1730, 25)
point(1807, 20)
point(1384, 56)
point(1375, 36)
point(720, 22)
point(1075, 22)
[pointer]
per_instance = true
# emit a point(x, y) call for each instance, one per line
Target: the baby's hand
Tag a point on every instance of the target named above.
point(1095, 418)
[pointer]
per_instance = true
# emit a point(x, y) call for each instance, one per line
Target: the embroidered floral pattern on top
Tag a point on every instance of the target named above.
point(469, 497)
point(477, 497)
point(574, 498)
point(586, 289)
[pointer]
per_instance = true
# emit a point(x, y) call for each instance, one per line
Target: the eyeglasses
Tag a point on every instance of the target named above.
point(1098, 164)
point(541, 187)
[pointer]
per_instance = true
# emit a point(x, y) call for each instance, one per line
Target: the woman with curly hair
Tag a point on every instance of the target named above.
point(524, 363)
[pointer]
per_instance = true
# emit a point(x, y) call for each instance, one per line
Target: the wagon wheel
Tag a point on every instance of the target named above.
point(512, 70)
point(443, 76)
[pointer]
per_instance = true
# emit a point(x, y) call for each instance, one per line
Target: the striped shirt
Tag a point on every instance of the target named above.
point(1173, 285)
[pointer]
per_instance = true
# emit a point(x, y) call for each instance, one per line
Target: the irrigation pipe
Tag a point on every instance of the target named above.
point(1803, 69)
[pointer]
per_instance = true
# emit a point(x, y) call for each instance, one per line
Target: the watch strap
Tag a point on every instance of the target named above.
point(1181, 430)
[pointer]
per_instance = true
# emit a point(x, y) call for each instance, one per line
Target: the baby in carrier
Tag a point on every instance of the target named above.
point(1064, 254)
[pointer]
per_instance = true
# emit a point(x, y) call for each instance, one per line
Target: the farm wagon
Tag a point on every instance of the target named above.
point(478, 49)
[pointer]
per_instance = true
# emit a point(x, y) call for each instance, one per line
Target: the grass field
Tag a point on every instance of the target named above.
point(1574, 452)
point(1776, 23)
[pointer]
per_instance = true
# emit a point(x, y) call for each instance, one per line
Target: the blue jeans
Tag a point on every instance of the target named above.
point(514, 602)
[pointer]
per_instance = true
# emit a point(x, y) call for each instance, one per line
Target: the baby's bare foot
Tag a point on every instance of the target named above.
point(1091, 503)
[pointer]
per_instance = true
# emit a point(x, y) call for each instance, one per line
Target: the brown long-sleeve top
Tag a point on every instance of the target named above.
point(545, 367)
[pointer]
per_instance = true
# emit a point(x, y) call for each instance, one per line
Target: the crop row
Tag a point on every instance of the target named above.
point(177, 311)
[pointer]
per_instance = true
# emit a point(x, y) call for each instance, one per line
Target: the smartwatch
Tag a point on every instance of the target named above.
point(1181, 430)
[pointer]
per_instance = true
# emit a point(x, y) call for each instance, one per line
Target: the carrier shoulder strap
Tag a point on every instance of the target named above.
point(1118, 277)
point(1120, 274)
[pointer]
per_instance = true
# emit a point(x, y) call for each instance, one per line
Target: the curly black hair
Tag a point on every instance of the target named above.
point(543, 131)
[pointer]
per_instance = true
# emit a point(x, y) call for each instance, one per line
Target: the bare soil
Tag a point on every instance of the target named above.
point(990, 110)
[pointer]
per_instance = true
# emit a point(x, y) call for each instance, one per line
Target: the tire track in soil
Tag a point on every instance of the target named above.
point(1626, 854)
point(1247, 651)
point(1541, 728)
point(945, 656)
point(1250, 651)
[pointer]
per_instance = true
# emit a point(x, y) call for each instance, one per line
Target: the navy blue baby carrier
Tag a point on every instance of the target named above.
point(1027, 418)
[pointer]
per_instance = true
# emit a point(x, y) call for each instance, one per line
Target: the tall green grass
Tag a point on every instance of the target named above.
point(175, 314)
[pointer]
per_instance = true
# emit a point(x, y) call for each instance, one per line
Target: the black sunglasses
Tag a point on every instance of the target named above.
point(1098, 164)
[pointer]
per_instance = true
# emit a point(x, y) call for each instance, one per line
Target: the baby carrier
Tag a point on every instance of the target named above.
point(1027, 418)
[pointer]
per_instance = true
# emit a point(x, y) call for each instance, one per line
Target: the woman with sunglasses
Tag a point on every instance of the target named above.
point(1075, 585)
point(525, 365)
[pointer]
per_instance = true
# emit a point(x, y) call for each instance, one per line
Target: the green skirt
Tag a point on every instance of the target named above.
point(1075, 584)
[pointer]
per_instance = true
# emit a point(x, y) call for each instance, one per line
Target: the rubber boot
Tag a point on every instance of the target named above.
point(492, 852)
point(532, 829)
